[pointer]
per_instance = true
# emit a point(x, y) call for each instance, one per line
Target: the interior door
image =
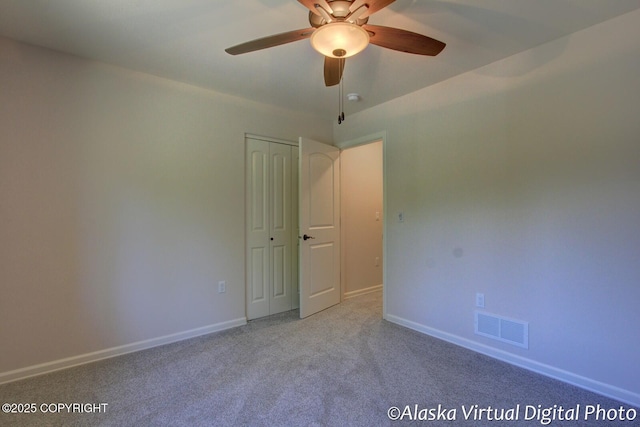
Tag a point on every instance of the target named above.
point(271, 227)
point(319, 226)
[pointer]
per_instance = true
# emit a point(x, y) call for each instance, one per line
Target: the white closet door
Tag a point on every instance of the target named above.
point(271, 206)
point(258, 251)
point(281, 228)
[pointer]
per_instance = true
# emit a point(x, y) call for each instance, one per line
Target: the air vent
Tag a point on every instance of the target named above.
point(511, 331)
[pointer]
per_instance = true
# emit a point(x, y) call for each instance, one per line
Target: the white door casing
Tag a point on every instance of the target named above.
point(319, 226)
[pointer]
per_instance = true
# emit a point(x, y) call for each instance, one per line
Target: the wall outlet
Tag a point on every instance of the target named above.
point(377, 263)
point(222, 287)
point(400, 216)
point(480, 300)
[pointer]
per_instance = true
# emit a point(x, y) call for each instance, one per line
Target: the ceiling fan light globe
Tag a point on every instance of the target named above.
point(339, 39)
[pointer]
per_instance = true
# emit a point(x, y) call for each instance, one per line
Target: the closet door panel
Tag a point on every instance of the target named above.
point(281, 228)
point(258, 247)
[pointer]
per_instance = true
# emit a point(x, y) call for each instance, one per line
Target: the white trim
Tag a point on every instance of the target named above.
point(270, 139)
point(589, 384)
point(359, 292)
point(56, 365)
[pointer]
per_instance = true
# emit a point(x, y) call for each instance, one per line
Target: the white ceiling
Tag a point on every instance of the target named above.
point(184, 40)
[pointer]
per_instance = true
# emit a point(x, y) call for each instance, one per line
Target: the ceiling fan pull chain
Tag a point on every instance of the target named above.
point(339, 103)
point(341, 95)
point(342, 100)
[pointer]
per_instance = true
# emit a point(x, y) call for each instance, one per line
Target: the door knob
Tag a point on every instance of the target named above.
point(307, 237)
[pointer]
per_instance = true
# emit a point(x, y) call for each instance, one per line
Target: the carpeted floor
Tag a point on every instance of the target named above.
point(344, 366)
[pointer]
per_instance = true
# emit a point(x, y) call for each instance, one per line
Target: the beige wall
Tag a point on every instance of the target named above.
point(521, 180)
point(121, 206)
point(361, 190)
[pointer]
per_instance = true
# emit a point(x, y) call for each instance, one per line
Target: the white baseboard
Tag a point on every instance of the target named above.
point(359, 292)
point(604, 389)
point(56, 365)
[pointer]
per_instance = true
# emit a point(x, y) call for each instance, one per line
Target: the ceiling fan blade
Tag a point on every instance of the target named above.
point(333, 68)
point(373, 6)
point(403, 40)
point(271, 41)
point(311, 5)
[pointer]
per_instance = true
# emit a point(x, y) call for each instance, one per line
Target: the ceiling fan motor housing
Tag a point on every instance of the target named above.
point(339, 11)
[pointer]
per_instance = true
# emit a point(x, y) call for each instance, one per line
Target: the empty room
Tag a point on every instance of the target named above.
point(283, 212)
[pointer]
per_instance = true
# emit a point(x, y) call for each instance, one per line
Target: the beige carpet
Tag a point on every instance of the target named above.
point(342, 367)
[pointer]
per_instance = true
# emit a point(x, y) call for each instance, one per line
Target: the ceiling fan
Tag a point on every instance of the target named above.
point(339, 30)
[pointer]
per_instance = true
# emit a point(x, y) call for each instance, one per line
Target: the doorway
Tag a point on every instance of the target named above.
point(362, 210)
